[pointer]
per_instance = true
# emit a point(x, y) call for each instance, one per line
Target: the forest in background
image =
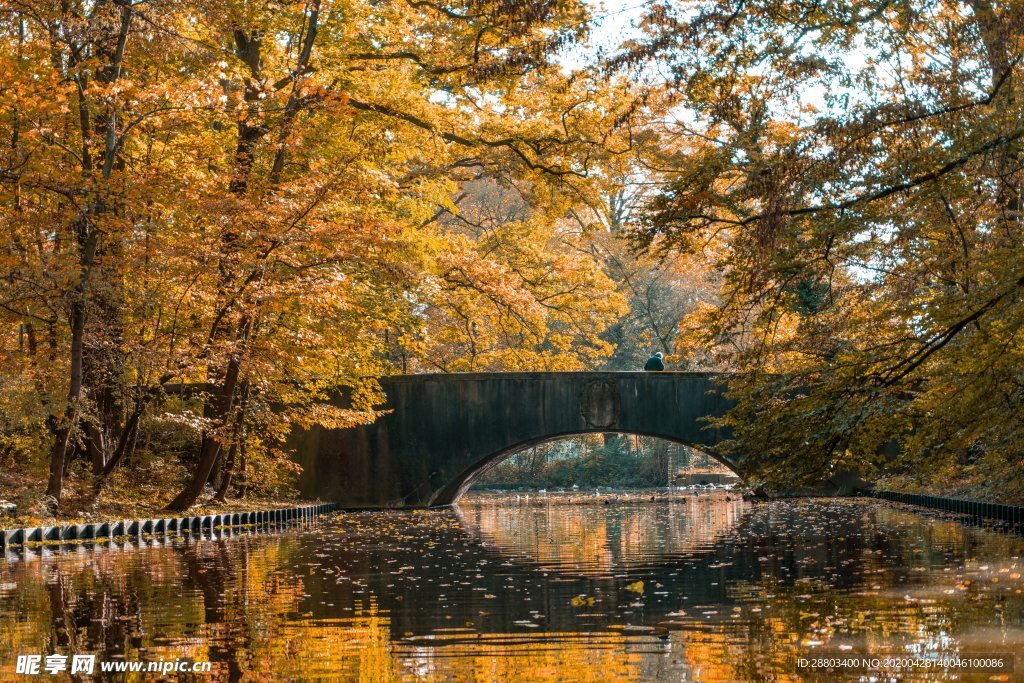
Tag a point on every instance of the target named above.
point(606, 461)
point(272, 200)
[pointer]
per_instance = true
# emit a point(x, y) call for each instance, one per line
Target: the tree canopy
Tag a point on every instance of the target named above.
point(261, 198)
point(855, 170)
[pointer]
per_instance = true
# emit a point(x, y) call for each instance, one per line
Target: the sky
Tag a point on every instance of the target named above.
point(612, 22)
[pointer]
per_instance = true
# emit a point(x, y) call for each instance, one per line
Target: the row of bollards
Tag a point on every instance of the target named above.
point(166, 526)
point(1010, 514)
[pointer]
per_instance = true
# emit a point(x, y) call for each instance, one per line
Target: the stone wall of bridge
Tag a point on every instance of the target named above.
point(444, 430)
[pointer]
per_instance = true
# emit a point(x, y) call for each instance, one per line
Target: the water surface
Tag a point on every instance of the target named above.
point(545, 588)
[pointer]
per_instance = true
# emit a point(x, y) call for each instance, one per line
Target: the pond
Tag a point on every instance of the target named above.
point(539, 587)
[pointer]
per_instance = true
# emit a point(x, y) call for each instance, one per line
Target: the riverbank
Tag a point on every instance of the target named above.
point(140, 529)
point(140, 493)
point(108, 510)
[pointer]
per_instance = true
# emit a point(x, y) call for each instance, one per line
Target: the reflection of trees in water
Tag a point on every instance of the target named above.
point(599, 538)
point(870, 576)
point(207, 601)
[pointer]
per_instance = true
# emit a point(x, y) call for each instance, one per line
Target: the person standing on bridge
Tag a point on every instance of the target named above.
point(655, 362)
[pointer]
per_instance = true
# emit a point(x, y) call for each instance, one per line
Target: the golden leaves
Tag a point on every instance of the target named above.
point(273, 203)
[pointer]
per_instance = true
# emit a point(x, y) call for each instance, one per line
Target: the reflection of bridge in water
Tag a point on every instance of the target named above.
point(443, 431)
point(597, 539)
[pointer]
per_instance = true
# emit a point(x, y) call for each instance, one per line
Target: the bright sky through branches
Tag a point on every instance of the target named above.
point(612, 22)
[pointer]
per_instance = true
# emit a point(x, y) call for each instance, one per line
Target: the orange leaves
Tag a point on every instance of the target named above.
point(266, 195)
point(327, 416)
point(507, 290)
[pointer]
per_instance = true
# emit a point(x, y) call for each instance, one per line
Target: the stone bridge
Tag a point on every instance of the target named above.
point(445, 430)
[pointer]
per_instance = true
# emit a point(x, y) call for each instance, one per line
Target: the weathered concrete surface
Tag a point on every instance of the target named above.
point(445, 430)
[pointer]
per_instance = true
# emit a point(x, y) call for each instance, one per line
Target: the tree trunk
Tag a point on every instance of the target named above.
point(251, 129)
point(64, 427)
point(112, 47)
point(243, 473)
point(248, 48)
point(229, 467)
point(236, 438)
point(211, 444)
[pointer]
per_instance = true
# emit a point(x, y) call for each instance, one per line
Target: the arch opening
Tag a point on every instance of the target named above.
point(621, 445)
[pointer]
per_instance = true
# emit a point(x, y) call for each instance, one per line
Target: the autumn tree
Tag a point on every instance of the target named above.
point(859, 166)
point(365, 124)
point(95, 103)
point(506, 284)
point(244, 199)
point(661, 295)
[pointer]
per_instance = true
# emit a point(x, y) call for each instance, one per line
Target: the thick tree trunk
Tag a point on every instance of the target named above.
point(251, 129)
point(211, 447)
point(248, 48)
point(104, 358)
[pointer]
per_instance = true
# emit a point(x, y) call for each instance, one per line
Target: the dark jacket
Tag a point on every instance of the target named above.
point(654, 364)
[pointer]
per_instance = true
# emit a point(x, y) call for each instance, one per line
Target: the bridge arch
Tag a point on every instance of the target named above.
point(444, 428)
point(464, 480)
